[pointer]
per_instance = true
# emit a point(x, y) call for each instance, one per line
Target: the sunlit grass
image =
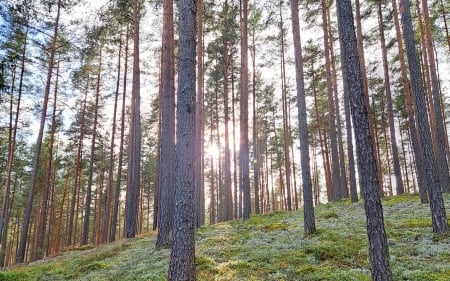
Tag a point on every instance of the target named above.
point(271, 247)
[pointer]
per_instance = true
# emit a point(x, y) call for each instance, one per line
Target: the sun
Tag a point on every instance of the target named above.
point(213, 151)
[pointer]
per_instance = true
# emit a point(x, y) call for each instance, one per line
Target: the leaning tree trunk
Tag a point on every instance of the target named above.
point(438, 215)
point(441, 135)
point(4, 219)
point(48, 174)
point(182, 260)
point(37, 154)
point(379, 254)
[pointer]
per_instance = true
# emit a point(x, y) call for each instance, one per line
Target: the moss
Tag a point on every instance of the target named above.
point(275, 226)
point(416, 223)
point(270, 247)
point(328, 215)
point(404, 198)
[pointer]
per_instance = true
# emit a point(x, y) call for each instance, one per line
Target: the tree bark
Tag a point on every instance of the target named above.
point(134, 147)
point(379, 254)
point(420, 169)
point(438, 214)
point(109, 185)
point(441, 135)
point(48, 177)
point(182, 261)
point(308, 205)
point(87, 204)
point(166, 177)
point(4, 219)
point(199, 126)
point(116, 205)
point(244, 146)
point(387, 87)
point(37, 154)
point(335, 174)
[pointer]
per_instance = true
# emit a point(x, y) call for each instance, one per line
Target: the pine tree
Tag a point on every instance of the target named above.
point(378, 247)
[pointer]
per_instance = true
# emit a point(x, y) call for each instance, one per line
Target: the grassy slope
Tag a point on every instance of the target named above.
point(271, 247)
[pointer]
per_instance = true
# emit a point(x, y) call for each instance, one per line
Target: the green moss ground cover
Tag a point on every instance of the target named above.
point(270, 247)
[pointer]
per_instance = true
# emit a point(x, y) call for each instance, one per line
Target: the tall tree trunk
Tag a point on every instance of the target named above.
point(166, 177)
point(441, 135)
point(420, 168)
point(212, 177)
point(348, 123)
point(4, 219)
point(342, 172)
point(87, 204)
point(134, 147)
point(109, 185)
point(286, 142)
point(227, 198)
point(387, 87)
point(116, 205)
point(244, 147)
point(182, 260)
point(444, 18)
point(77, 175)
point(335, 175)
point(362, 62)
point(379, 254)
point(256, 164)
point(59, 226)
point(48, 174)
point(438, 215)
point(308, 205)
point(37, 154)
point(237, 193)
point(199, 126)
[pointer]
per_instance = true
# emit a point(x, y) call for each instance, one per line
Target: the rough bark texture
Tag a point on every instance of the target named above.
point(438, 215)
point(348, 127)
point(199, 127)
point(379, 255)
point(134, 146)
point(440, 151)
point(166, 178)
point(420, 170)
point(182, 262)
point(308, 205)
point(244, 147)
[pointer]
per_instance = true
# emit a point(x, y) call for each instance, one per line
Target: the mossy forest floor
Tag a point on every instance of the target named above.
point(270, 247)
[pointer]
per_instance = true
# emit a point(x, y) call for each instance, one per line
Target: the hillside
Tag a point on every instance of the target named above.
point(270, 247)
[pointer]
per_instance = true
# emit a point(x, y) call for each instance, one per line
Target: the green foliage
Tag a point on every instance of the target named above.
point(270, 247)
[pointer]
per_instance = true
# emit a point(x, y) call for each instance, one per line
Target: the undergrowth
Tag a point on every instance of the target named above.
point(270, 247)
